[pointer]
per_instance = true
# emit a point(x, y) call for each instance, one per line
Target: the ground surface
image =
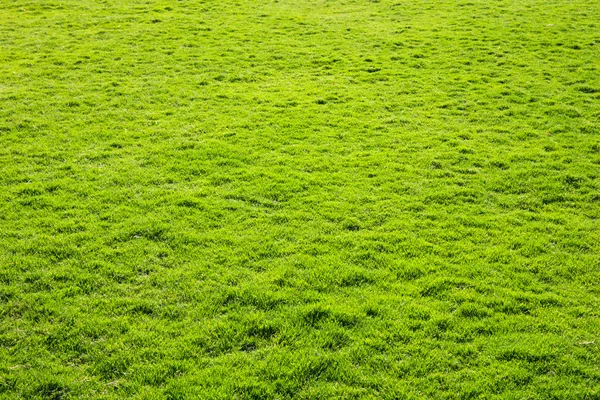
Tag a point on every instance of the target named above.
point(300, 199)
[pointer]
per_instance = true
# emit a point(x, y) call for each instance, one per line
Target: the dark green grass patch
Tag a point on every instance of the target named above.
point(292, 199)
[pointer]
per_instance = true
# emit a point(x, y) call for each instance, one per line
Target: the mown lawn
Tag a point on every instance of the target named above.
point(293, 199)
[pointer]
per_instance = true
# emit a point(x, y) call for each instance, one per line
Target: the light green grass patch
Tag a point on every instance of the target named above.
point(294, 199)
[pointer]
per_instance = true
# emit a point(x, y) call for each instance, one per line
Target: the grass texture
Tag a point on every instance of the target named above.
point(292, 199)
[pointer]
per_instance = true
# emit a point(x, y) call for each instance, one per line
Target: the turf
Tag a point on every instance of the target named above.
point(300, 199)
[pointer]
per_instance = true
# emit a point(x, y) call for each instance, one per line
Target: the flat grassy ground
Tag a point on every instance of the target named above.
point(300, 199)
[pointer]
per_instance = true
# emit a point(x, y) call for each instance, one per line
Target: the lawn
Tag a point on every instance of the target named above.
point(293, 199)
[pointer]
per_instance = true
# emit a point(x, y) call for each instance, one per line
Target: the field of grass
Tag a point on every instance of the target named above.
point(292, 199)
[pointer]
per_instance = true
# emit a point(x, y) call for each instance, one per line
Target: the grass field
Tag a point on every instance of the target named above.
point(292, 199)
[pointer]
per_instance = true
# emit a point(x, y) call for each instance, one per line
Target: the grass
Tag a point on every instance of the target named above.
point(299, 199)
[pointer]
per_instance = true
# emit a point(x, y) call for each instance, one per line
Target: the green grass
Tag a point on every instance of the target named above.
point(300, 199)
